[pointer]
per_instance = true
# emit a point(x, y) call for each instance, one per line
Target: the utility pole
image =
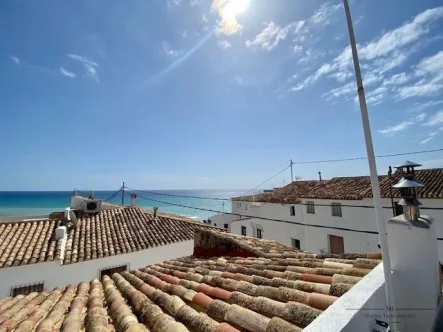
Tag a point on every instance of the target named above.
point(373, 172)
point(123, 194)
point(223, 204)
point(292, 175)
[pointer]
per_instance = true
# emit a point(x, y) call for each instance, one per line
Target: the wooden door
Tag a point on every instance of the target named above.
point(336, 244)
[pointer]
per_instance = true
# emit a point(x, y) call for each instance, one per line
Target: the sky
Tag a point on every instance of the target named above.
point(206, 94)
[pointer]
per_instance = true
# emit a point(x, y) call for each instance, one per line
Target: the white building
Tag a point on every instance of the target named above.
point(332, 216)
point(43, 254)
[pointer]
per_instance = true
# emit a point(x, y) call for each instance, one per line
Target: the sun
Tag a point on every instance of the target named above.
point(235, 7)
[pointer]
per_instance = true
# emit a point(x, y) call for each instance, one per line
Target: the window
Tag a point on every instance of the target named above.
point(215, 225)
point(292, 210)
point(115, 269)
point(310, 207)
point(246, 206)
point(27, 289)
point(259, 233)
point(238, 204)
point(336, 209)
point(295, 243)
point(398, 209)
point(226, 226)
point(243, 230)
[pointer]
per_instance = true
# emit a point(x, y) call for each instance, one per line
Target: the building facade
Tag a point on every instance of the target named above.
point(331, 216)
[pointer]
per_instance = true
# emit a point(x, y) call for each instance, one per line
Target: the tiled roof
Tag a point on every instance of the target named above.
point(202, 294)
point(289, 194)
point(432, 179)
point(111, 232)
point(28, 242)
point(349, 188)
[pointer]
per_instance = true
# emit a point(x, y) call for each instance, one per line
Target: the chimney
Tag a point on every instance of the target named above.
point(319, 176)
point(133, 200)
point(412, 243)
point(155, 211)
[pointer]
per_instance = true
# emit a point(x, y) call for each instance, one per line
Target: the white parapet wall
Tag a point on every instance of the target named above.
point(55, 275)
point(358, 309)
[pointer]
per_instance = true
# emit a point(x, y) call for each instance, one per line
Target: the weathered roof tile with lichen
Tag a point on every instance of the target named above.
point(254, 285)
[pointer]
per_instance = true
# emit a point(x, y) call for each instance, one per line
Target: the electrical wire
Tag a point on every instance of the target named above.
point(113, 195)
point(363, 158)
point(277, 174)
point(316, 204)
point(175, 195)
point(255, 217)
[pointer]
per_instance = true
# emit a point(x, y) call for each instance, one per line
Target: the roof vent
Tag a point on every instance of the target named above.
point(407, 186)
point(60, 232)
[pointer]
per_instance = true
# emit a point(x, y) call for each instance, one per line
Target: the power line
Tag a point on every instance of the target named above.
point(255, 217)
point(175, 195)
point(113, 195)
point(284, 169)
point(363, 158)
point(263, 218)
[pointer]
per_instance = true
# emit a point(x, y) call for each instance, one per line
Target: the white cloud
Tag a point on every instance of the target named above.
point(429, 138)
point(391, 131)
point(297, 49)
point(397, 79)
point(173, 3)
point(343, 90)
point(89, 65)
point(168, 50)
point(66, 73)
point(388, 51)
point(323, 15)
point(420, 106)
point(224, 44)
point(435, 120)
point(430, 73)
point(195, 2)
point(204, 18)
point(15, 60)
point(270, 36)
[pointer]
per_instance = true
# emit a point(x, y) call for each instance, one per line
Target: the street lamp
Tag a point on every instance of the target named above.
point(373, 170)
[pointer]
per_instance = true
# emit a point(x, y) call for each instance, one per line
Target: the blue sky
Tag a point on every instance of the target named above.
point(190, 94)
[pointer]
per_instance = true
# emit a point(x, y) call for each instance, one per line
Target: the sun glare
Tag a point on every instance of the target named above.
point(235, 7)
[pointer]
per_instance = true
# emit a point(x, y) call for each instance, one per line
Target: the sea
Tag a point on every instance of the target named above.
point(40, 203)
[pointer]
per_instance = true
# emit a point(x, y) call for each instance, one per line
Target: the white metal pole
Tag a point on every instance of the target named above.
point(373, 172)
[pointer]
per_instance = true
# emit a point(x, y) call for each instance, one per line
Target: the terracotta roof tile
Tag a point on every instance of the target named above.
point(111, 232)
point(349, 188)
point(185, 294)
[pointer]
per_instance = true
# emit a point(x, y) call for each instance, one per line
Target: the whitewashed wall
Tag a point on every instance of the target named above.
point(53, 274)
point(316, 239)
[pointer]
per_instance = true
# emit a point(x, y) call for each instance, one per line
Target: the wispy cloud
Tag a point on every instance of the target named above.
point(173, 3)
point(15, 60)
point(272, 35)
point(204, 18)
point(420, 106)
point(66, 73)
point(435, 120)
point(430, 137)
point(224, 44)
point(195, 2)
point(429, 71)
point(386, 52)
point(168, 50)
point(89, 65)
point(391, 131)
point(323, 15)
